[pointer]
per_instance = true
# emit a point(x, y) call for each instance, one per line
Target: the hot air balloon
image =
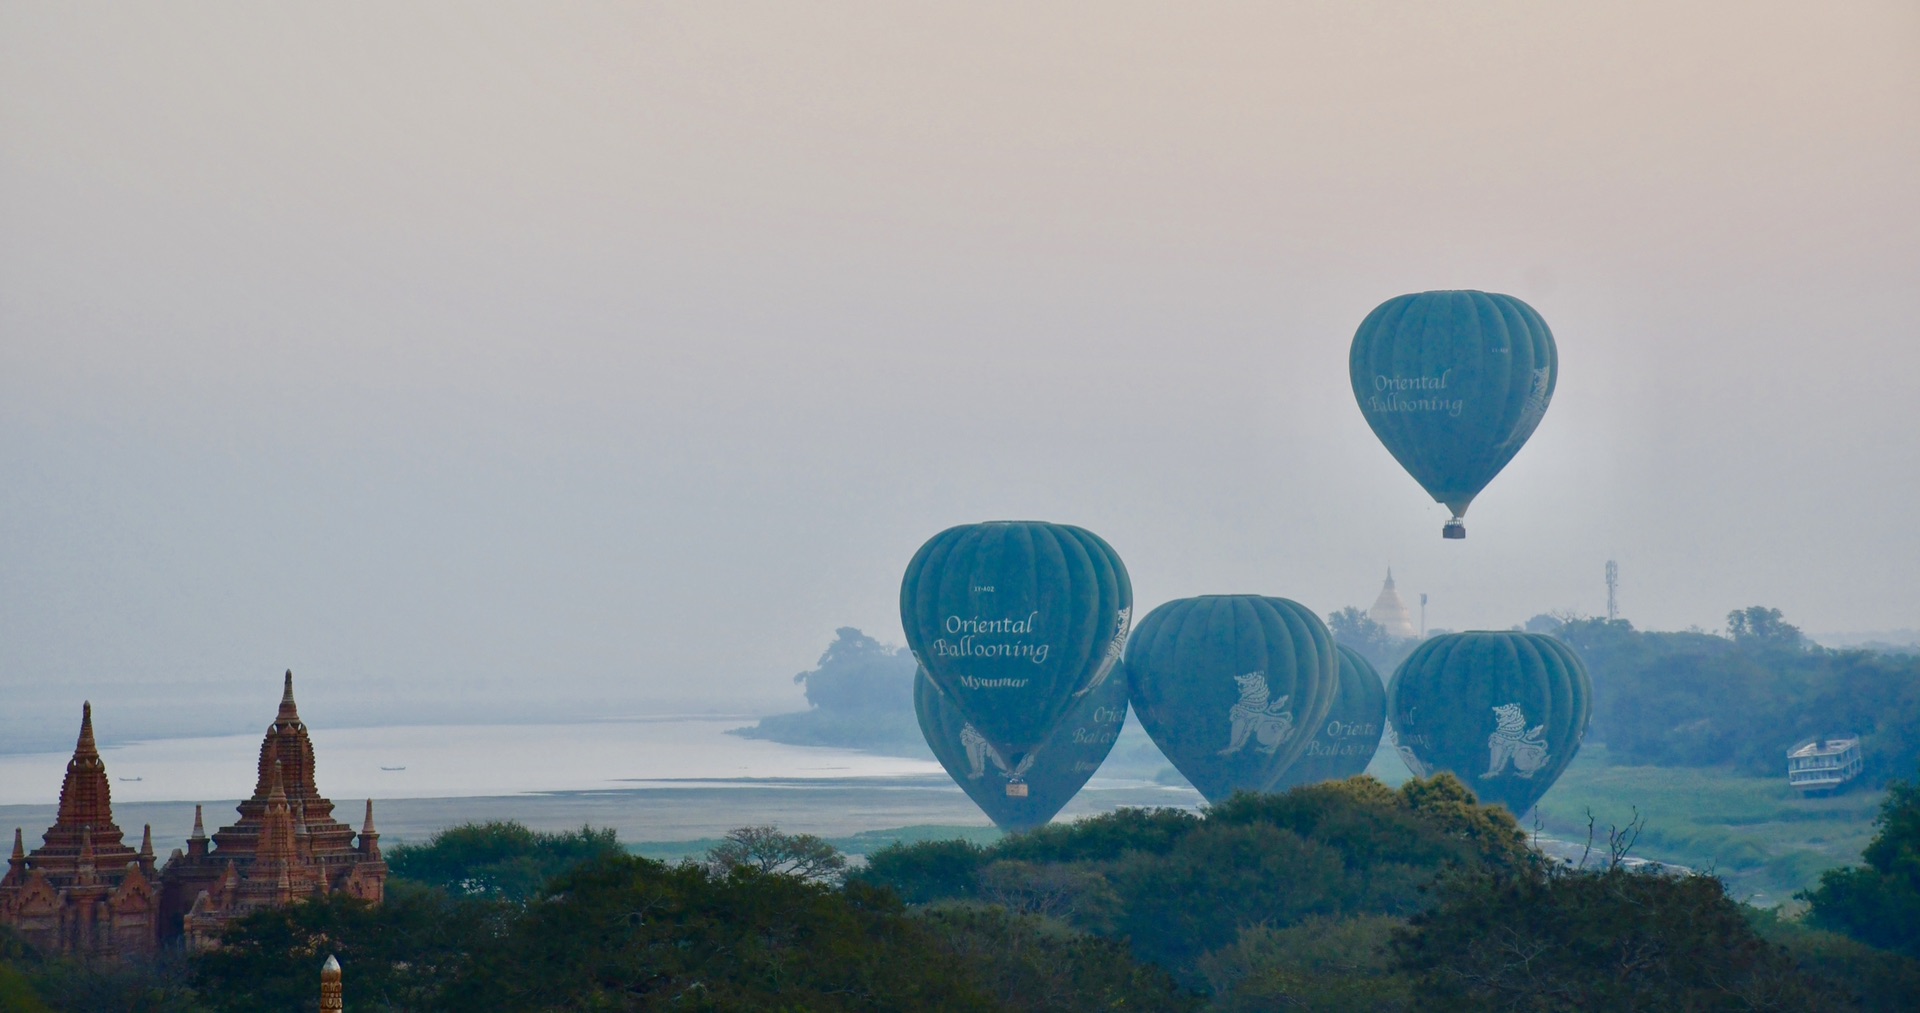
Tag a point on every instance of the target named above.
point(1345, 742)
point(1049, 776)
point(1232, 687)
point(1504, 711)
point(1014, 621)
point(1453, 383)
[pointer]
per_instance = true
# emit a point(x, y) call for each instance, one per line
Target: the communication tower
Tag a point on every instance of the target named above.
point(1613, 590)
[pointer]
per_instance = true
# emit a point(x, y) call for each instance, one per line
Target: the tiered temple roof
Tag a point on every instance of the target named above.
point(286, 846)
point(84, 890)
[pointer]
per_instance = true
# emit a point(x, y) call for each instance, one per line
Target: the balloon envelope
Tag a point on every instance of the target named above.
point(1453, 383)
point(1231, 687)
point(1052, 773)
point(1345, 742)
point(1504, 711)
point(1013, 620)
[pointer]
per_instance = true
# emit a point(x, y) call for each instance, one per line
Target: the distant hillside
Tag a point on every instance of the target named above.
point(1882, 641)
point(861, 697)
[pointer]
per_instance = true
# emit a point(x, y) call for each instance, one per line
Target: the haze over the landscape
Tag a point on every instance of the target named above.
point(567, 360)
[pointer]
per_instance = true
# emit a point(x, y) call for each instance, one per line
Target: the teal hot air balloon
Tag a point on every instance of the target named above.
point(1453, 383)
point(1345, 742)
point(1013, 621)
point(1503, 711)
point(1026, 795)
point(1231, 687)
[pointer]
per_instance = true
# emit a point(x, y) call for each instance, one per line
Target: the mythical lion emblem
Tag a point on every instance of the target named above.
point(1256, 719)
point(980, 752)
point(1513, 742)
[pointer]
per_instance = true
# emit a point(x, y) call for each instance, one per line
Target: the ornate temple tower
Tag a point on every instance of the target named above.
point(1391, 613)
point(84, 892)
point(287, 847)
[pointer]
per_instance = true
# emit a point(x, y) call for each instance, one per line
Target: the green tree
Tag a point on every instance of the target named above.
point(400, 955)
point(1320, 964)
point(624, 933)
point(498, 859)
point(1761, 626)
point(1879, 902)
point(1027, 962)
point(1354, 628)
point(767, 850)
point(1549, 937)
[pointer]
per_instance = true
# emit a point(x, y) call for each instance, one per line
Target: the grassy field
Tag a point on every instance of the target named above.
point(1755, 833)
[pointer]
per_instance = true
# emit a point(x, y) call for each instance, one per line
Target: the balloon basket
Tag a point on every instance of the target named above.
point(1016, 789)
point(1455, 528)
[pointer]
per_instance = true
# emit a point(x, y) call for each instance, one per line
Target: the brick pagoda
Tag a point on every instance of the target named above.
point(83, 891)
point(287, 846)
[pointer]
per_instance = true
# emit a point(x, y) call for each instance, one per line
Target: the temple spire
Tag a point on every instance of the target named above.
point(19, 846)
point(199, 827)
point(146, 843)
point(367, 828)
point(288, 712)
point(86, 746)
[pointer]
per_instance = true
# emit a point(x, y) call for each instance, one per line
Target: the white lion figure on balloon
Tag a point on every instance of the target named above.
point(1513, 742)
point(1254, 719)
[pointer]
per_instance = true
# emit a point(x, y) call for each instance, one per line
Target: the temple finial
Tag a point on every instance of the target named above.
point(19, 846)
point(199, 828)
point(146, 842)
point(86, 744)
point(288, 712)
point(367, 828)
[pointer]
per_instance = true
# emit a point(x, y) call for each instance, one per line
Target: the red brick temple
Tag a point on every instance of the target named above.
point(85, 892)
point(287, 846)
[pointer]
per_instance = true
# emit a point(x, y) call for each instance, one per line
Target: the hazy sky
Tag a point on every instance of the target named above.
point(594, 357)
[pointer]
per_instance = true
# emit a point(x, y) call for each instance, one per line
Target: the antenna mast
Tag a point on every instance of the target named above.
point(1613, 590)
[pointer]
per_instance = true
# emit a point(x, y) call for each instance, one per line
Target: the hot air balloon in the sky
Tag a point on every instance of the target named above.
point(1232, 687)
point(1345, 742)
point(1049, 776)
point(1014, 621)
point(1504, 711)
point(1453, 383)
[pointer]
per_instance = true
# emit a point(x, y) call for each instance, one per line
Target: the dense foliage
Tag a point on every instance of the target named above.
point(1179, 886)
point(1696, 699)
point(497, 859)
point(1341, 896)
point(1547, 937)
point(1878, 902)
point(860, 694)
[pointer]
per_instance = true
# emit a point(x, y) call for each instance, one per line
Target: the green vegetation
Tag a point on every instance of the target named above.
point(1547, 936)
point(1697, 700)
point(1344, 895)
point(496, 859)
point(1757, 834)
point(1879, 902)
